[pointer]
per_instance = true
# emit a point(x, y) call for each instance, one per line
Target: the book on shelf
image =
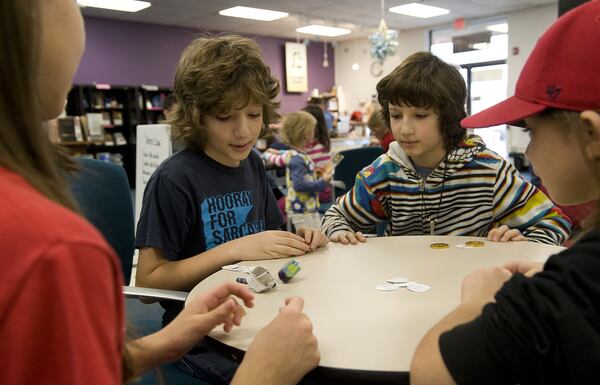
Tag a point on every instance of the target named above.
point(108, 140)
point(69, 129)
point(93, 126)
point(103, 156)
point(117, 118)
point(119, 139)
point(106, 118)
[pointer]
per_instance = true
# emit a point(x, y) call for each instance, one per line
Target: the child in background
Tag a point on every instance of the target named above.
point(302, 182)
point(210, 205)
point(435, 179)
point(319, 149)
point(534, 323)
point(380, 130)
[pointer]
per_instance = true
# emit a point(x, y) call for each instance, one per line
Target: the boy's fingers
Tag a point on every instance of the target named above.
point(510, 234)
point(353, 239)
point(294, 243)
point(285, 251)
point(309, 236)
point(360, 236)
point(295, 304)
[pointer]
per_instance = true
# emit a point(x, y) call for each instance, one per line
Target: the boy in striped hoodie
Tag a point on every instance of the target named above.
point(436, 179)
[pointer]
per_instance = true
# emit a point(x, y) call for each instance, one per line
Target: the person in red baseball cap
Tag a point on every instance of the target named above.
point(525, 322)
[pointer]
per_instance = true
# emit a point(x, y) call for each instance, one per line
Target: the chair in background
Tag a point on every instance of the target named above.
point(102, 191)
point(354, 160)
point(345, 172)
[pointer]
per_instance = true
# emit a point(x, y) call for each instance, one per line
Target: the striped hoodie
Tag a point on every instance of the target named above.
point(481, 191)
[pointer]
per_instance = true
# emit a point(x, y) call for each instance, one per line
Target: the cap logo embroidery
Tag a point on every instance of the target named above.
point(553, 91)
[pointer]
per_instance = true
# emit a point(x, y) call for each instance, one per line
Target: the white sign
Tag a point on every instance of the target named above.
point(152, 148)
point(296, 67)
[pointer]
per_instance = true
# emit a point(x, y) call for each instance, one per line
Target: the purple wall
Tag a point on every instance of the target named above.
point(127, 53)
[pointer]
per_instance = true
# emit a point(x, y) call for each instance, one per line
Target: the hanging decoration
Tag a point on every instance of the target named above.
point(325, 61)
point(384, 41)
point(355, 65)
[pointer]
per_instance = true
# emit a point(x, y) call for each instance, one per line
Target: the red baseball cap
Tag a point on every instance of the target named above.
point(563, 71)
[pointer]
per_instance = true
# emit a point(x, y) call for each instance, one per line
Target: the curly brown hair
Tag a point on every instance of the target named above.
point(214, 75)
point(424, 80)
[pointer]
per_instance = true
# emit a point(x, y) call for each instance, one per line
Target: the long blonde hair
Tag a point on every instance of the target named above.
point(24, 146)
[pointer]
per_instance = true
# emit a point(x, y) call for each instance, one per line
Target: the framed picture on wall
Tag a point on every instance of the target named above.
point(296, 67)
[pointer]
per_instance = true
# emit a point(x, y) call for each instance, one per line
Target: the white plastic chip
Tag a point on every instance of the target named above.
point(398, 280)
point(387, 287)
point(417, 287)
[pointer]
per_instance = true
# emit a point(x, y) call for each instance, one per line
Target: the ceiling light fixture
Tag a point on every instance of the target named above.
point(116, 5)
point(500, 28)
point(253, 13)
point(323, 30)
point(419, 10)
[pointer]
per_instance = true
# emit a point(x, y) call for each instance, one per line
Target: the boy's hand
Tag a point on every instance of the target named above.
point(270, 244)
point(313, 237)
point(204, 313)
point(346, 237)
point(282, 352)
point(272, 151)
point(481, 287)
point(528, 268)
point(505, 234)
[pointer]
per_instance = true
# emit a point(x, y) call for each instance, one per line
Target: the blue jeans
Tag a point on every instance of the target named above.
point(203, 363)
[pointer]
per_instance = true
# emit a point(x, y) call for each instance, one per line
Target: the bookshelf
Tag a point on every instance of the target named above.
point(151, 102)
point(103, 118)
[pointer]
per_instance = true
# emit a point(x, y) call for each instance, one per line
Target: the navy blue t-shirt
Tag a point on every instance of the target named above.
point(193, 203)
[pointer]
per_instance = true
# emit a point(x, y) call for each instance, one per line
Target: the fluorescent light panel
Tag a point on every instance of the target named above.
point(116, 5)
point(419, 10)
point(500, 28)
point(253, 13)
point(323, 30)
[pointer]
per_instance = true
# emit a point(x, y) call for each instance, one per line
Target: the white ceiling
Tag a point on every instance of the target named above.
point(361, 16)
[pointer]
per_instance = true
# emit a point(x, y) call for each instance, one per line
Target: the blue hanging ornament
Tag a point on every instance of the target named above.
point(383, 42)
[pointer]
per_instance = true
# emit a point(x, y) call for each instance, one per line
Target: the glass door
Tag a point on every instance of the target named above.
point(487, 87)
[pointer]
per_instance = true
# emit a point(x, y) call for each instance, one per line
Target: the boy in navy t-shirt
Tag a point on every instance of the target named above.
point(210, 204)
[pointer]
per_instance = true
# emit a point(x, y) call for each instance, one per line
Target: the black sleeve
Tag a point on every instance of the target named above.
point(543, 329)
point(165, 217)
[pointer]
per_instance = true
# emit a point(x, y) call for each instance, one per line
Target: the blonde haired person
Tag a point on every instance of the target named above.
point(380, 130)
point(303, 185)
point(61, 301)
point(528, 322)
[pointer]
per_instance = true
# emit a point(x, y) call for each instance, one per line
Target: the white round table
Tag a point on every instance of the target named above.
point(357, 326)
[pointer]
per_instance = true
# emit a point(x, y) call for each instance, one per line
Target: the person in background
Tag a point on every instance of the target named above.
point(210, 204)
point(380, 130)
point(319, 149)
point(533, 322)
point(302, 182)
point(169, 105)
point(435, 179)
point(62, 282)
point(322, 103)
